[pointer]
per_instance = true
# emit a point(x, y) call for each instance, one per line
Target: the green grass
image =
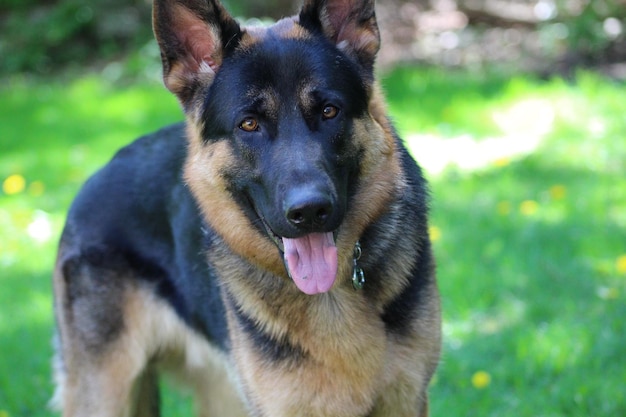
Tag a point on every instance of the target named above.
point(528, 248)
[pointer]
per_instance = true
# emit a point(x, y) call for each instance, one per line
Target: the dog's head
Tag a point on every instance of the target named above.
point(283, 129)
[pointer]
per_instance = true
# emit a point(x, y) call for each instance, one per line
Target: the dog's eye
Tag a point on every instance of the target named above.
point(329, 112)
point(249, 124)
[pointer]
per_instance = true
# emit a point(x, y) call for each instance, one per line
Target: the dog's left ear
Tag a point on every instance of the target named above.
point(350, 24)
point(194, 36)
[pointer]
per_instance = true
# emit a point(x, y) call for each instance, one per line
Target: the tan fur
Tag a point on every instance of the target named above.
point(338, 378)
point(107, 382)
point(342, 374)
point(380, 180)
point(287, 27)
point(204, 174)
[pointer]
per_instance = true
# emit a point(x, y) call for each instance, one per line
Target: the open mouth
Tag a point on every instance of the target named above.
point(310, 260)
point(278, 241)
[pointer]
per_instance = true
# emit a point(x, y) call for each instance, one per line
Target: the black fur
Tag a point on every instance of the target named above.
point(138, 210)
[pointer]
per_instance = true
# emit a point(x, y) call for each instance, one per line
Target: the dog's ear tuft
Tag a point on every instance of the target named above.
point(350, 24)
point(194, 36)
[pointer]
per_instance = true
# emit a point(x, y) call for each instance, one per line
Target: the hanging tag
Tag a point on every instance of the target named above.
point(358, 276)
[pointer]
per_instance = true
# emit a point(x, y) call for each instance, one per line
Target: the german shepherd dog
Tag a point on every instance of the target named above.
point(273, 253)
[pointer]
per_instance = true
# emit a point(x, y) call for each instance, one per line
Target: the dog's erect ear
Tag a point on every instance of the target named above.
point(194, 36)
point(350, 24)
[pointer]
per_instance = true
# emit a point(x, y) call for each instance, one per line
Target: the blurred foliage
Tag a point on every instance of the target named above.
point(39, 35)
point(42, 36)
point(593, 27)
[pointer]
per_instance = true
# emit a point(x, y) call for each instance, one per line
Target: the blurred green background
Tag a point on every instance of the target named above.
point(517, 112)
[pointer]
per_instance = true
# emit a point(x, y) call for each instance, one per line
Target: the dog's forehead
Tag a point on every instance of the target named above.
point(285, 28)
point(282, 55)
point(285, 66)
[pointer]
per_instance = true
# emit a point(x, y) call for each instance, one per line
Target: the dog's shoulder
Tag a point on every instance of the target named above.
point(136, 216)
point(138, 177)
point(132, 204)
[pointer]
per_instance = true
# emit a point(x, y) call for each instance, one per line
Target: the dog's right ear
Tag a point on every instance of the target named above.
point(350, 24)
point(194, 36)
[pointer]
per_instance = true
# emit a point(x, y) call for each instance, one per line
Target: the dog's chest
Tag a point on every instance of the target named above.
point(328, 356)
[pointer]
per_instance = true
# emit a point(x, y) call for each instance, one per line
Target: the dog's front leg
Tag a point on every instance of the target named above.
point(102, 363)
point(106, 387)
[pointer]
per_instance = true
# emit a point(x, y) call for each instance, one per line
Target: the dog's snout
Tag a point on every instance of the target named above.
point(308, 207)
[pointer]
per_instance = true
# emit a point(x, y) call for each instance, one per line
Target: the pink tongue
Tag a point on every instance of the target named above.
point(312, 262)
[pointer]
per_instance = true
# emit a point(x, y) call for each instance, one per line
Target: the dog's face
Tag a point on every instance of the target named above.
point(286, 108)
point(277, 118)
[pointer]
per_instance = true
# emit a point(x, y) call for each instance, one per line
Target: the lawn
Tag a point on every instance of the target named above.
point(531, 247)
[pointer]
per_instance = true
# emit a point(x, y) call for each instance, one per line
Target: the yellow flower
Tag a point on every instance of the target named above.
point(529, 207)
point(481, 379)
point(14, 184)
point(502, 162)
point(4, 413)
point(504, 208)
point(620, 264)
point(435, 233)
point(558, 192)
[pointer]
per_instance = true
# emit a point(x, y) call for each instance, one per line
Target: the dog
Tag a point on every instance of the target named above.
point(272, 252)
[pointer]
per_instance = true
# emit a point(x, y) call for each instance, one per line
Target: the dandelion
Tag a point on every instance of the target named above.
point(435, 233)
point(481, 379)
point(502, 162)
point(504, 208)
point(529, 207)
point(620, 264)
point(14, 184)
point(558, 192)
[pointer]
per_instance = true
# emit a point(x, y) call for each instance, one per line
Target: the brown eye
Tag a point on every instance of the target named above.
point(329, 112)
point(249, 124)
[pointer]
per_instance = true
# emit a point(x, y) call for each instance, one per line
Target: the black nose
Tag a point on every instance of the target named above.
point(308, 207)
